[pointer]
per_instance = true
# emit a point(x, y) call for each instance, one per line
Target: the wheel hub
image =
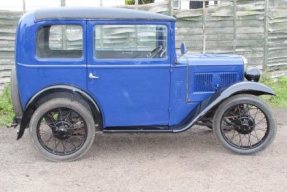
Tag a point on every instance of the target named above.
point(62, 130)
point(245, 125)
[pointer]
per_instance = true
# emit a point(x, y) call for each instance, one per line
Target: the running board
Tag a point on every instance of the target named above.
point(137, 130)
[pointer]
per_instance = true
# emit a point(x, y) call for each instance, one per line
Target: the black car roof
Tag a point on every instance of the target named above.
point(97, 13)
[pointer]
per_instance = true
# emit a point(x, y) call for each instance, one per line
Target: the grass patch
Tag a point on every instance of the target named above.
point(279, 86)
point(6, 108)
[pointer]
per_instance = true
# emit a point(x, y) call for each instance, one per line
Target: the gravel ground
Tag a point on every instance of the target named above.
point(189, 161)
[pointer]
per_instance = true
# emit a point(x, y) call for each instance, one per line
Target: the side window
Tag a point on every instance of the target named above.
point(130, 41)
point(60, 41)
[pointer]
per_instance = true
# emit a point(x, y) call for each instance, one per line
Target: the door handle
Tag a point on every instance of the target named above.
point(92, 76)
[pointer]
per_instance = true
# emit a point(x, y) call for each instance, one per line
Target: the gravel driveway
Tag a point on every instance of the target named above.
point(189, 161)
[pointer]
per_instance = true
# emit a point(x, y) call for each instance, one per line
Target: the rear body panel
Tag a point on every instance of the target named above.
point(35, 74)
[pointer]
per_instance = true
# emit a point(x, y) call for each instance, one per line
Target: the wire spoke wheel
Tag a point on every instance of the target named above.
point(244, 126)
point(62, 131)
point(62, 128)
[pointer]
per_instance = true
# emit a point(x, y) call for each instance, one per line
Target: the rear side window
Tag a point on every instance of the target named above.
point(130, 41)
point(60, 41)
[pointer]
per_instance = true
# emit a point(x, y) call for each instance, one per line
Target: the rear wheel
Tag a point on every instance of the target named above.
point(62, 129)
point(244, 124)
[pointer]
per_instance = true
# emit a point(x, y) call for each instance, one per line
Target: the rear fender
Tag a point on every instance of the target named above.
point(15, 96)
point(46, 93)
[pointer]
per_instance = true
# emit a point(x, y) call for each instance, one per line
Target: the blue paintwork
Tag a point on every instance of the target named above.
point(142, 92)
point(35, 74)
point(131, 91)
point(214, 64)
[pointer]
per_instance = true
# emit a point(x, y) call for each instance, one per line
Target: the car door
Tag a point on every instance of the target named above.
point(128, 74)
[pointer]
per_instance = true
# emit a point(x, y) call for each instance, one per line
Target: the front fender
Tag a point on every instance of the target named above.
point(253, 88)
point(248, 87)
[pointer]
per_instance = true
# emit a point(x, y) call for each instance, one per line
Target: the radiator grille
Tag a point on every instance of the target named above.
point(203, 82)
point(227, 79)
point(206, 82)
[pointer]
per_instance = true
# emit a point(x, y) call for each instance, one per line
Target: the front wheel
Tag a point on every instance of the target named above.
point(62, 129)
point(244, 124)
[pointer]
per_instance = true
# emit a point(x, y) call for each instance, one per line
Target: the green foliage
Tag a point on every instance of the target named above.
point(6, 108)
point(129, 2)
point(279, 86)
point(132, 2)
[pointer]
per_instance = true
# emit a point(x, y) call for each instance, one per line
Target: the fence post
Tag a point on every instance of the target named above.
point(170, 7)
point(203, 27)
point(266, 26)
point(101, 29)
point(234, 25)
point(63, 3)
point(64, 29)
point(24, 6)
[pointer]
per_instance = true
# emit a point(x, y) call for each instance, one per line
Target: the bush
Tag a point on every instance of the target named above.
point(6, 108)
point(132, 2)
point(279, 86)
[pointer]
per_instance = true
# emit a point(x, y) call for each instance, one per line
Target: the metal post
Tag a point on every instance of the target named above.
point(101, 3)
point(234, 25)
point(266, 26)
point(136, 3)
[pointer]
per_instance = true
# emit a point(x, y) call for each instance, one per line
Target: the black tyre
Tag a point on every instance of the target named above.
point(62, 129)
point(244, 124)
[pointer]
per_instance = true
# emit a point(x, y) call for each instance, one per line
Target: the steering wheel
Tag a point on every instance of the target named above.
point(154, 52)
point(163, 51)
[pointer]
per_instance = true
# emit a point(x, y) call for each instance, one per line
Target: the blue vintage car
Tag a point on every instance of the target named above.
point(82, 70)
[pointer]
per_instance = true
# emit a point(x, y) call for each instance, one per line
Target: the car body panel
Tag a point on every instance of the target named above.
point(133, 92)
point(195, 77)
point(35, 74)
point(166, 94)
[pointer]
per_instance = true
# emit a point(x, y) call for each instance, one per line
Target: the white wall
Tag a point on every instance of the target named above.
point(34, 4)
point(184, 5)
point(17, 5)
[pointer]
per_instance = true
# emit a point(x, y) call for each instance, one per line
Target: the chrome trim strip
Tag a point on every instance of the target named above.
point(95, 66)
point(187, 81)
point(129, 66)
point(51, 65)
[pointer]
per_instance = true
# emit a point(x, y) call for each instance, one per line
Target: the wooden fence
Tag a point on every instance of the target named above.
point(256, 29)
point(8, 23)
